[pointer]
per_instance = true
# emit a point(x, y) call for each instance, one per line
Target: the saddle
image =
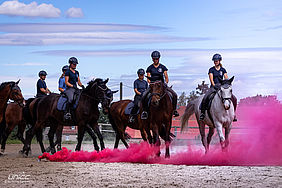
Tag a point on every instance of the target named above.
point(63, 100)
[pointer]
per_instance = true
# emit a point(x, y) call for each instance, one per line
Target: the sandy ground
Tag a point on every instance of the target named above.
point(16, 171)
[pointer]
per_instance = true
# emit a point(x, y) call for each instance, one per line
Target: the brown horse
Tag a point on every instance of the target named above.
point(86, 113)
point(160, 114)
point(16, 115)
point(8, 90)
point(119, 121)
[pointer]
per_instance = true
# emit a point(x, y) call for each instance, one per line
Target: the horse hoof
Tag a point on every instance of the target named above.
point(53, 150)
point(48, 150)
point(21, 152)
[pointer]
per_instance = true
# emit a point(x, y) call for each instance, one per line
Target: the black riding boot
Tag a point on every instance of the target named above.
point(133, 114)
point(67, 114)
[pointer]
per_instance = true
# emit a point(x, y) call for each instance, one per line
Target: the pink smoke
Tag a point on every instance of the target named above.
point(259, 144)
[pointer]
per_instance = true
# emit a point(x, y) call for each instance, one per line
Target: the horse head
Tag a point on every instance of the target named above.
point(98, 90)
point(14, 93)
point(226, 92)
point(157, 91)
point(108, 99)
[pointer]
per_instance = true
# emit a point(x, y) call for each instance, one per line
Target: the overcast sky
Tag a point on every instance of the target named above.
point(114, 38)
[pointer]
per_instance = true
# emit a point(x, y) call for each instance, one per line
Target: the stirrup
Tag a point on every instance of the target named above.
point(202, 116)
point(235, 119)
point(131, 119)
point(67, 116)
point(175, 113)
point(144, 115)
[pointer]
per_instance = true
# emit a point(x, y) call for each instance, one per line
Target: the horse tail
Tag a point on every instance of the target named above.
point(188, 112)
point(2, 128)
point(26, 111)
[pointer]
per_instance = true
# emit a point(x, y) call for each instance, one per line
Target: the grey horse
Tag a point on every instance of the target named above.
point(221, 115)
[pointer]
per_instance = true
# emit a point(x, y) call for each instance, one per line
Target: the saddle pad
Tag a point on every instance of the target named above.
point(128, 108)
point(62, 102)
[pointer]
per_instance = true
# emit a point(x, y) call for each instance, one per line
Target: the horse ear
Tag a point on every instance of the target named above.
point(115, 91)
point(18, 81)
point(231, 80)
point(220, 81)
point(106, 81)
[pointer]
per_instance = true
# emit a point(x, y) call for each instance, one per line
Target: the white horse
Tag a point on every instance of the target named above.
point(221, 115)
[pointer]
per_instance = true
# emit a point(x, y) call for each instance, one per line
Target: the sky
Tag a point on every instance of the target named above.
point(113, 39)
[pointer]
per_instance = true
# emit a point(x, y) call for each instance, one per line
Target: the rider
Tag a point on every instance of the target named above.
point(42, 89)
point(215, 73)
point(140, 86)
point(71, 79)
point(157, 71)
point(62, 84)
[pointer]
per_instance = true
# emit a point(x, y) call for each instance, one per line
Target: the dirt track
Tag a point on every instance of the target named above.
point(80, 174)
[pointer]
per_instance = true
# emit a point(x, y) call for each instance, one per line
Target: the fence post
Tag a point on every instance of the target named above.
point(120, 91)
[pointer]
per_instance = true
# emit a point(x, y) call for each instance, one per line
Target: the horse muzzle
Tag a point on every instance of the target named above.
point(226, 104)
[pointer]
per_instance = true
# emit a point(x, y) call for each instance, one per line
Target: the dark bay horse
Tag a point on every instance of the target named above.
point(86, 113)
point(160, 115)
point(8, 90)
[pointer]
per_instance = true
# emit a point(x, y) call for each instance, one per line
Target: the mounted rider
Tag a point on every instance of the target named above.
point(140, 86)
point(42, 89)
point(215, 73)
point(71, 81)
point(62, 84)
point(157, 72)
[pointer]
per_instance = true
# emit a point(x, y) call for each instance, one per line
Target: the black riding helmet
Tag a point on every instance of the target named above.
point(65, 68)
point(73, 60)
point(42, 73)
point(156, 54)
point(141, 72)
point(216, 57)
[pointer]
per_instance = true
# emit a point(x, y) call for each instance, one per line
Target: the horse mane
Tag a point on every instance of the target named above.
point(91, 82)
point(4, 84)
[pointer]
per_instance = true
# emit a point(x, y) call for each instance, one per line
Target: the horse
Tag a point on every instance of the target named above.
point(160, 115)
point(86, 113)
point(17, 115)
point(8, 90)
point(120, 121)
point(220, 115)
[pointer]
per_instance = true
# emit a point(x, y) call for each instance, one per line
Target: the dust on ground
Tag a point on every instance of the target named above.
point(17, 171)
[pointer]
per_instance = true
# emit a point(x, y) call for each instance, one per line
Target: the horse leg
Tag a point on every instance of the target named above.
point(29, 135)
point(117, 141)
point(80, 134)
point(5, 136)
point(58, 142)
point(209, 138)
point(93, 136)
point(227, 131)
point(203, 135)
point(99, 134)
point(218, 126)
point(167, 139)
point(21, 129)
point(156, 139)
point(148, 132)
point(39, 138)
point(51, 134)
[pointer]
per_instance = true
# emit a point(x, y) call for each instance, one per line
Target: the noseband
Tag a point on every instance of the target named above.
point(223, 99)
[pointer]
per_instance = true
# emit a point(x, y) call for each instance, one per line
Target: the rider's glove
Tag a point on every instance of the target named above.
point(83, 88)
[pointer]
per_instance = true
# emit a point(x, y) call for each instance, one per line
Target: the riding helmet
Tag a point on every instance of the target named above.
point(156, 54)
point(65, 68)
point(42, 73)
point(73, 60)
point(216, 57)
point(141, 72)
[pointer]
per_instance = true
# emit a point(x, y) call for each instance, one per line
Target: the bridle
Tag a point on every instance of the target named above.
point(223, 99)
point(158, 94)
point(16, 87)
point(95, 93)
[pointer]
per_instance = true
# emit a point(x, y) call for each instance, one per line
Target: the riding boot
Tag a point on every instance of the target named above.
point(67, 114)
point(144, 114)
point(175, 113)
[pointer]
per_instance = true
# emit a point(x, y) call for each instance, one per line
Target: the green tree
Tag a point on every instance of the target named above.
point(193, 95)
point(182, 99)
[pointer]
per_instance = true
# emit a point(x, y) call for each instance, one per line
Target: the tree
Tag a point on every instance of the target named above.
point(202, 88)
point(182, 99)
point(193, 95)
